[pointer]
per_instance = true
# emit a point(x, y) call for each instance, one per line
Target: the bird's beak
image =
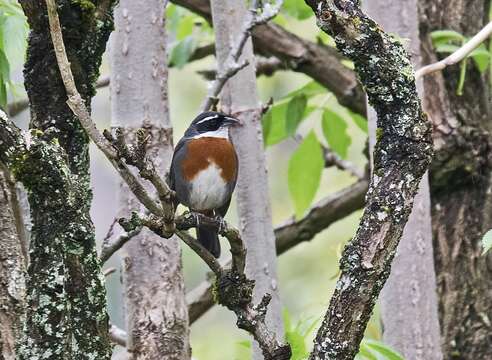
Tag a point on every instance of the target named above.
point(230, 121)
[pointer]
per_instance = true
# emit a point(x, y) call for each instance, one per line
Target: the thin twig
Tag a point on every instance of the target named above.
point(117, 335)
point(108, 271)
point(333, 159)
point(232, 64)
point(77, 105)
point(459, 54)
point(109, 248)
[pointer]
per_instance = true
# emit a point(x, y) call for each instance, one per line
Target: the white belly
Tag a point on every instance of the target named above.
point(209, 190)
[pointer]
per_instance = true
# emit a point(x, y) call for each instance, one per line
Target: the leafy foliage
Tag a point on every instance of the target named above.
point(375, 350)
point(282, 121)
point(186, 32)
point(304, 174)
point(297, 9)
point(13, 34)
point(335, 131)
point(448, 41)
point(297, 335)
point(283, 118)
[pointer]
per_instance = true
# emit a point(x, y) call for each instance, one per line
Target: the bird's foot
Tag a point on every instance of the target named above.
point(196, 217)
point(222, 223)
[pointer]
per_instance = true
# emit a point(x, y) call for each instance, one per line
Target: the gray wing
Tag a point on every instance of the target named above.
point(176, 179)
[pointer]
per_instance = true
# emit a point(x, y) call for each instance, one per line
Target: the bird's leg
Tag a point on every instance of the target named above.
point(196, 216)
point(221, 221)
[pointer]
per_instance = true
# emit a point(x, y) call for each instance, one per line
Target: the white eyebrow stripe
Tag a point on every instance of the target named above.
point(208, 118)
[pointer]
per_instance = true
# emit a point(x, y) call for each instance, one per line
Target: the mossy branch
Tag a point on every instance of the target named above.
point(401, 157)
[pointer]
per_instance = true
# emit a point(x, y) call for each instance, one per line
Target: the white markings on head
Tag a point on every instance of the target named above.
point(208, 118)
point(222, 132)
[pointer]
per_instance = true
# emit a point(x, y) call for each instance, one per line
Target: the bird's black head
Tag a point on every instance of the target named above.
point(210, 122)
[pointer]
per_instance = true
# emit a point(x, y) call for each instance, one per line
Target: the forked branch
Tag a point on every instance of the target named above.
point(257, 16)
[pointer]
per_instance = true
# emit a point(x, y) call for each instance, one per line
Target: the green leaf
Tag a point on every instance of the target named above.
point(297, 344)
point(365, 353)
point(384, 351)
point(487, 242)
point(444, 36)
point(4, 79)
point(482, 57)
point(185, 27)
point(181, 52)
point(297, 9)
point(446, 48)
point(296, 108)
point(312, 88)
point(304, 173)
point(335, 131)
point(15, 39)
point(360, 121)
point(274, 128)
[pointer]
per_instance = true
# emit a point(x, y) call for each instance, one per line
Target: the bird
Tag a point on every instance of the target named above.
point(204, 170)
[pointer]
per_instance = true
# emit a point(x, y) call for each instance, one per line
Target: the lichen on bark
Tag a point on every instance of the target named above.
point(66, 313)
point(402, 155)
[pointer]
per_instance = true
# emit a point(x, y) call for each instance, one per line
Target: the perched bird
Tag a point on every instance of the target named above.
point(204, 171)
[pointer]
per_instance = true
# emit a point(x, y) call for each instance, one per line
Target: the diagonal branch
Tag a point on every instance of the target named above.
point(323, 214)
point(401, 157)
point(459, 54)
point(77, 105)
point(234, 290)
point(233, 65)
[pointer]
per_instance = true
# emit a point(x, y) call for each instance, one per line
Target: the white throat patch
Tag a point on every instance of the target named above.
point(222, 132)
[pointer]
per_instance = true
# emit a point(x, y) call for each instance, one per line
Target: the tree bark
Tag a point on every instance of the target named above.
point(461, 184)
point(409, 298)
point(239, 97)
point(12, 270)
point(401, 157)
point(66, 312)
point(157, 317)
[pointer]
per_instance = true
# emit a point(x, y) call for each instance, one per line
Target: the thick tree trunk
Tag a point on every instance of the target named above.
point(409, 296)
point(157, 318)
point(239, 97)
point(461, 185)
point(66, 312)
point(12, 269)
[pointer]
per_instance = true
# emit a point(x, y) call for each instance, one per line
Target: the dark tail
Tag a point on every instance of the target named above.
point(209, 239)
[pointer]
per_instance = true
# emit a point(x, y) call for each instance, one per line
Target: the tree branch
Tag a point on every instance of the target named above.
point(402, 155)
point(77, 105)
point(110, 247)
point(332, 159)
point(322, 63)
point(234, 289)
point(117, 335)
point(232, 63)
point(459, 54)
point(323, 214)
point(264, 66)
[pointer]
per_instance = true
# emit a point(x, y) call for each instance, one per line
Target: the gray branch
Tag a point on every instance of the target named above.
point(232, 65)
